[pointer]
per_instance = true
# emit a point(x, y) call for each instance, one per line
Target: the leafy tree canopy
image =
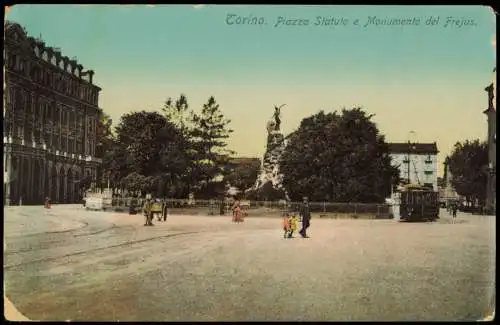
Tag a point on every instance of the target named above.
point(338, 157)
point(468, 166)
point(241, 175)
point(208, 135)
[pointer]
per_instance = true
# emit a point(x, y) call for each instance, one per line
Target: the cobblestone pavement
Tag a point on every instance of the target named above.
point(70, 264)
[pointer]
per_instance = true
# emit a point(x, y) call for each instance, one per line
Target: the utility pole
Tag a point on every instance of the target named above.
point(410, 134)
point(408, 162)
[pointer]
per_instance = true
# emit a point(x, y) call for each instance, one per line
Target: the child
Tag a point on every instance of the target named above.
point(289, 225)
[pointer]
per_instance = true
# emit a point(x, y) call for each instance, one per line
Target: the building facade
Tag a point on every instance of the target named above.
point(491, 115)
point(50, 119)
point(417, 162)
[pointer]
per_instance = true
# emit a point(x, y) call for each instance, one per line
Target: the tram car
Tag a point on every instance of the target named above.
point(419, 203)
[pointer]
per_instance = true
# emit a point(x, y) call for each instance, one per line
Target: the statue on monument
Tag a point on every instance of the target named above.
point(277, 117)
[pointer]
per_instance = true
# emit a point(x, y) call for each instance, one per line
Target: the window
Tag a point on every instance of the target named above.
point(428, 160)
point(428, 172)
point(13, 62)
point(10, 95)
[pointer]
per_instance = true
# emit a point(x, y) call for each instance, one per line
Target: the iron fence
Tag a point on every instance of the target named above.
point(263, 207)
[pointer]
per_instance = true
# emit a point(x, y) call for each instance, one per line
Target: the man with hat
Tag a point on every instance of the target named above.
point(305, 215)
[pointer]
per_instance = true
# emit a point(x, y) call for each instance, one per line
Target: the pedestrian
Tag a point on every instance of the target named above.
point(164, 210)
point(289, 225)
point(148, 215)
point(237, 211)
point(454, 209)
point(47, 203)
point(305, 215)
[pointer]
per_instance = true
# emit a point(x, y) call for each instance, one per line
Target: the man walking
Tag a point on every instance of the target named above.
point(305, 215)
point(164, 210)
point(454, 208)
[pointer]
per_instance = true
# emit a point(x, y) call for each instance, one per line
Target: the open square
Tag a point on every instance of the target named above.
point(68, 264)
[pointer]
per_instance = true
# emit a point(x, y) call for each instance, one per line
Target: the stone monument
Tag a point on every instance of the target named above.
point(274, 148)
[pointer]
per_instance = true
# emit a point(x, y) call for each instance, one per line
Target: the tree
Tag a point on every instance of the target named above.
point(209, 134)
point(266, 193)
point(341, 158)
point(105, 144)
point(177, 112)
point(468, 165)
point(151, 146)
point(242, 175)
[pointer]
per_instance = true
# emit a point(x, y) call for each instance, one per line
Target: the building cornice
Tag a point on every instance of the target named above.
point(32, 43)
point(48, 89)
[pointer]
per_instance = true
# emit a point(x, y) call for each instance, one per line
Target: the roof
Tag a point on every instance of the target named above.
point(415, 148)
point(38, 42)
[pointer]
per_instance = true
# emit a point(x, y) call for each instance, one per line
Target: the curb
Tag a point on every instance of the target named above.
point(11, 313)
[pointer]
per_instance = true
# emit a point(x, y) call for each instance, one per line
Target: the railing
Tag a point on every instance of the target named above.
point(265, 207)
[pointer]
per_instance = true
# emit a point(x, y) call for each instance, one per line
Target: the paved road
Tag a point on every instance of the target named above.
point(68, 264)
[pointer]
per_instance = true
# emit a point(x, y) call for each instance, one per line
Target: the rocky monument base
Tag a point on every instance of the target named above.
point(269, 178)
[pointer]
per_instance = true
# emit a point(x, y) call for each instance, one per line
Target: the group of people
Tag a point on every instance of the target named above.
point(154, 207)
point(159, 208)
point(291, 220)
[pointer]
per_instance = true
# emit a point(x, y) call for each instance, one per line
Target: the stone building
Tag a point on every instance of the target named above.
point(491, 114)
point(50, 120)
point(417, 162)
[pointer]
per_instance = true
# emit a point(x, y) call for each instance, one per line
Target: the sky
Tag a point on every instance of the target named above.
point(420, 77)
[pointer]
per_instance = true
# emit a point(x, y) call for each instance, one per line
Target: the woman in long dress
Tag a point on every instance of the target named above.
point(237, 212)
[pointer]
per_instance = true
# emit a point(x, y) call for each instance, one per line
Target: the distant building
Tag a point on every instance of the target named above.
point(491, 114)
point(417, 162)
point(50, 120)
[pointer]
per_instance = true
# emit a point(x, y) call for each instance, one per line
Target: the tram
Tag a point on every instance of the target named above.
point(419, 203)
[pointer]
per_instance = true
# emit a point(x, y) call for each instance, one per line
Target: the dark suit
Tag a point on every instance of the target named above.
point(164, 210)
point(305, 214)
